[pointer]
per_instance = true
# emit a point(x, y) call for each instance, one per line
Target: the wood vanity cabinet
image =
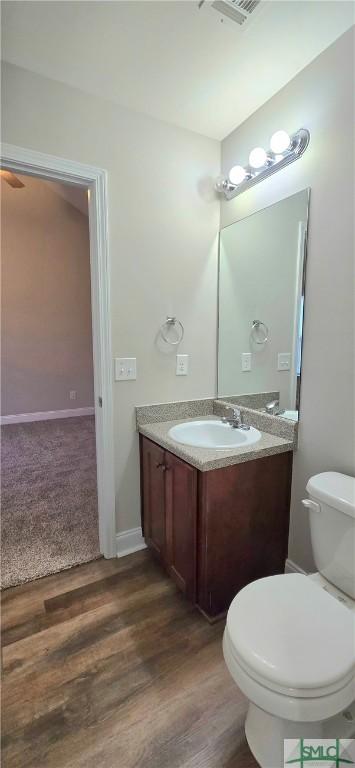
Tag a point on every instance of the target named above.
point(169, 520)
point(215, 531)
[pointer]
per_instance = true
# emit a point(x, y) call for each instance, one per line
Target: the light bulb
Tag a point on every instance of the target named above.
point(279, 142)
point(237, 174)
point(257, 157)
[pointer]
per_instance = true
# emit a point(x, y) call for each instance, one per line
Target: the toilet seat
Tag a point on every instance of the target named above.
point(302, 693)
point(285, 705)
point(291, 633)
point(290, 646)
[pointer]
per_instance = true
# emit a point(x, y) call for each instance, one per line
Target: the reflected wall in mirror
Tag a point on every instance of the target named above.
point(262, 261)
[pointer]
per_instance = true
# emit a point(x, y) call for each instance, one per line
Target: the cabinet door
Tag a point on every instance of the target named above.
point(243, 528)
point(153, 497)
point(181, 523)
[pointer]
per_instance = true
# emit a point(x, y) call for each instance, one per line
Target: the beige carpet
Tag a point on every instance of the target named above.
point(49, 516)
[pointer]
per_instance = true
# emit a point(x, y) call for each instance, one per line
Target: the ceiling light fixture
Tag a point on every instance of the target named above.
point(284, 149)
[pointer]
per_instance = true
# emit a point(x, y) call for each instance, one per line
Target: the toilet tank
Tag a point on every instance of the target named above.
point(331, 506)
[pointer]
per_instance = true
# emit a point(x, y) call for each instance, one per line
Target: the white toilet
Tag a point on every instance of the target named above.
point(289, 641)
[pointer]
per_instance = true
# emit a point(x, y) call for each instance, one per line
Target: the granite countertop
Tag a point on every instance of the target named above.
point(206, 459)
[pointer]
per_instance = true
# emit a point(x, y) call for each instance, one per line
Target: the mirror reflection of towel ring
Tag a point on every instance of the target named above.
point(257, 325)
point(172, 322)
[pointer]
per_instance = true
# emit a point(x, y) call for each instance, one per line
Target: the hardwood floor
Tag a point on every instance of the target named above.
point(108, 666)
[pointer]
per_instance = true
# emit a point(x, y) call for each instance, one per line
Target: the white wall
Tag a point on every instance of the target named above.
point(163, 223)
point(46, 334)
point(260, 268)
point(320, 98)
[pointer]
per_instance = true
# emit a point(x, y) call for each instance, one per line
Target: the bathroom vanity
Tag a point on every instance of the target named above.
point(216, 494)
point(215, 530)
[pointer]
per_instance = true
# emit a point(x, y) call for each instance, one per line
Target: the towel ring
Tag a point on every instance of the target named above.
point(258, 325)
point(172, 322)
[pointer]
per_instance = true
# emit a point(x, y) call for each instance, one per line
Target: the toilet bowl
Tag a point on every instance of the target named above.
point(289, 644)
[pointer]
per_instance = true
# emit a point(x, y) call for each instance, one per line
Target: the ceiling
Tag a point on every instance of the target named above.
point(169, 59)
point(73, 194)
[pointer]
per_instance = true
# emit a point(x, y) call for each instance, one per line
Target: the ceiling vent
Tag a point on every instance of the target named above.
point(242, 12)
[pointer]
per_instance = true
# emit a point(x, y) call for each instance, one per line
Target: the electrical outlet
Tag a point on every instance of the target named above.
point(284, 361)
point(125, 368)
point(182, 365)
point(72, 394)
point(246, 361)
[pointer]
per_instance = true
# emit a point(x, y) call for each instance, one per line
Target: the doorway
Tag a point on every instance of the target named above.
point(77, 178)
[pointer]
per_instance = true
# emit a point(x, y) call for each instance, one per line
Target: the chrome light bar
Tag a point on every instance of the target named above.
point(274, 162)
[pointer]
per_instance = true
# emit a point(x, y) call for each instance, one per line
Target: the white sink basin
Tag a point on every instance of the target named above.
point(213, 434)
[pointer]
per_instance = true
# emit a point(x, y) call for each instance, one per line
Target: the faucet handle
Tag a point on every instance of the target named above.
point(272, 406)
point(232, 414)
point(237, 418)
point(242, 424)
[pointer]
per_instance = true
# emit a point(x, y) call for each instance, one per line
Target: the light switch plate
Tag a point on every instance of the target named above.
point(125, 368)
point(182, 365)
point(246, 361)
point(284, 361)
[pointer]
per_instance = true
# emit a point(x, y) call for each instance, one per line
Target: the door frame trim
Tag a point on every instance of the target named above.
point(33, 163)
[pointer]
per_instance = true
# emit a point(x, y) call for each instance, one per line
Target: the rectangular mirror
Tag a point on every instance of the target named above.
point(262, 261)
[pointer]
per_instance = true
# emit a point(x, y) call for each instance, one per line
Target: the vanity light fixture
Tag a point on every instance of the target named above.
point(279, 142)
point(284, 149)
point(237, 174)
point(257, 158)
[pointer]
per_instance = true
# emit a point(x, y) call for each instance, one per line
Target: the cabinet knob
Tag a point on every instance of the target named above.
point(162, 466)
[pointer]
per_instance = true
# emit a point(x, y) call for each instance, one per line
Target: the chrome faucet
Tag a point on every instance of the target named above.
point(273, 408)
point(236, 420)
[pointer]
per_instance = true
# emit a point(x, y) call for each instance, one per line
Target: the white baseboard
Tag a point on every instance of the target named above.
point(21, 418)
point(129, 541)
point(291, 567)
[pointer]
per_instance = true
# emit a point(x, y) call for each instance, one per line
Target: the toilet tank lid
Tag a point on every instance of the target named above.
point(334, 489)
